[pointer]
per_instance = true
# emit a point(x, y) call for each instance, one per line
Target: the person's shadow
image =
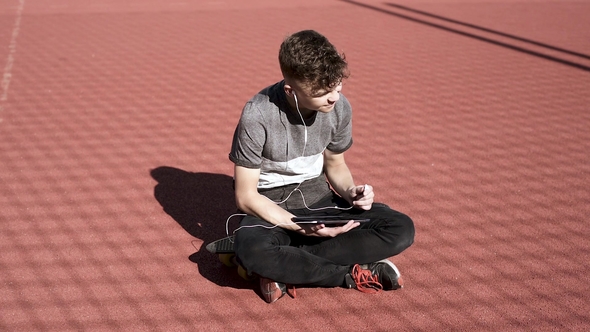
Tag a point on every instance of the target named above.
point(201, 203)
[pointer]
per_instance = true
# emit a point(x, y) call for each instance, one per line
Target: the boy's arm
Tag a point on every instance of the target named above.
point(341, 180)
point(251, 202)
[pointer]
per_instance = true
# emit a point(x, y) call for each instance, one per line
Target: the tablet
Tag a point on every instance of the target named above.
point(328, 220)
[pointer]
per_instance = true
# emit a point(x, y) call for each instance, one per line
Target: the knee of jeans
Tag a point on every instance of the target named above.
point(402, 235)
point(253, 253)
point(408, 233)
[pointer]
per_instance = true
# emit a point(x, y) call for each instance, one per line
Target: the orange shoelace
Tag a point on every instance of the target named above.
point(365, 281)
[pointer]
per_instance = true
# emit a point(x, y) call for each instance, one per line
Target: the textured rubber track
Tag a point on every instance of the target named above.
point(116, 119)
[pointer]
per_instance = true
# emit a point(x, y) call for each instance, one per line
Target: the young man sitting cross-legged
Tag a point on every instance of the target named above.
point(288, 150)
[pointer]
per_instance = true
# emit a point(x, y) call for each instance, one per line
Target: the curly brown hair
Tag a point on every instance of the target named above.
point(309, 57)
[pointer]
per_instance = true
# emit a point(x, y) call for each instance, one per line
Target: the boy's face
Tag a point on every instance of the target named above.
point(321, 100)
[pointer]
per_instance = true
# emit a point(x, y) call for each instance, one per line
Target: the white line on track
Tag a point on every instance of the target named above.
point(7, 74)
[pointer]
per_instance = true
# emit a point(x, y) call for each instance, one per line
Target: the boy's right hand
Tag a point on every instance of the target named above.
point(321, 230)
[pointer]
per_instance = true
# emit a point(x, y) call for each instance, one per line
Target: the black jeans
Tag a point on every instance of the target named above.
point(289, 257)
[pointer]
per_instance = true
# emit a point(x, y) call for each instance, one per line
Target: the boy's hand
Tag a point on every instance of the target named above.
point(322, 231)
point(362, 196)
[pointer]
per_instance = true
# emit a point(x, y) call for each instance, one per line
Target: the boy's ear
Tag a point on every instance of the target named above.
point(288, 90)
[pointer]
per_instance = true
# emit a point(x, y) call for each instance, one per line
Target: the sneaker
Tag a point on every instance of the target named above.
point(388, 274)
point(374, 277)
point(272, 291)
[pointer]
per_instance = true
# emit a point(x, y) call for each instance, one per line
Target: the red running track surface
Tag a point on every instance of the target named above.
point(116, 119)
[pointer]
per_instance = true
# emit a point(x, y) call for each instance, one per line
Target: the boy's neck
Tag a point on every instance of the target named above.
point(305, 113)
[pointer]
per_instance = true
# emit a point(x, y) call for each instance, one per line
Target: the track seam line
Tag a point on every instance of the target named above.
point(7, 74)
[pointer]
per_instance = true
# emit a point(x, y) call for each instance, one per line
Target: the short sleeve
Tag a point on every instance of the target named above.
point(342, 131)
point(249, 138)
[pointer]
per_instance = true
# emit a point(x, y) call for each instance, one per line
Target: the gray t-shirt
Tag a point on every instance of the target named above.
point(271, 136)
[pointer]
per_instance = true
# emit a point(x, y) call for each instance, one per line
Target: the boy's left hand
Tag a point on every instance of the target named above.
point(362, 196)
